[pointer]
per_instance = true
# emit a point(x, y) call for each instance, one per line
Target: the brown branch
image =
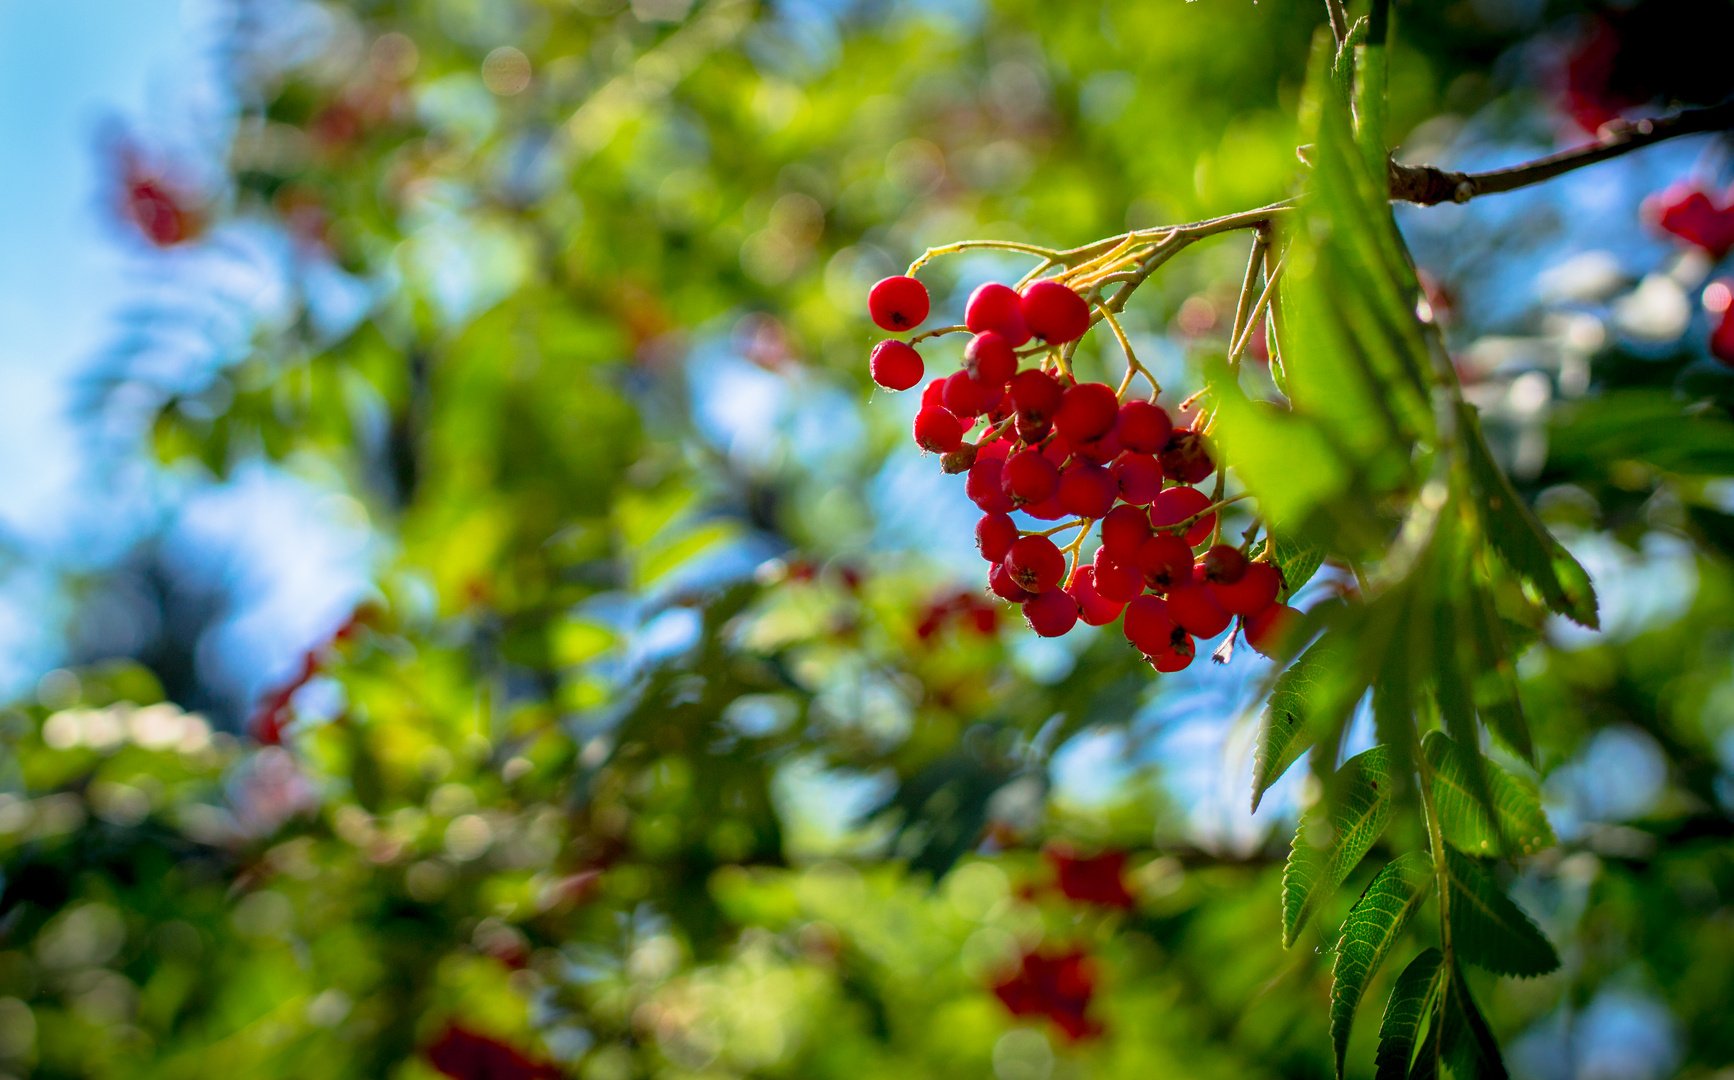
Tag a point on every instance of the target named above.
point(1429, 185)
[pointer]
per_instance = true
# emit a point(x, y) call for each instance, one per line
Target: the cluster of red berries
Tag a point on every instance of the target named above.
point(969, 609)
point(1055, 448)
point(1057, 985)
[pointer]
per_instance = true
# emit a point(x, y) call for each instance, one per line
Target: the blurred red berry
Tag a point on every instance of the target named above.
point(1224, 564)
point(1193, 607)
point(465, 1055)
point(1057, 986)
point(996, 307)
point(1095, 879)
point(1266, 630)
point(1690, 214)
point(1054, 312)
point(898, 303)
point(895, 365)
point(159, 212)
point(1722, 338)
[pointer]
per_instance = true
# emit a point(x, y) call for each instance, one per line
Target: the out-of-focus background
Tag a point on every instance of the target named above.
point(468, 611)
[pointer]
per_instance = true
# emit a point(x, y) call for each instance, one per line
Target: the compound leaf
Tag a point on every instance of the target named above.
point(1517, 814)
point(1410, 997)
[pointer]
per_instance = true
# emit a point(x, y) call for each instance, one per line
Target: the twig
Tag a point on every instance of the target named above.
point(1339, 21)
point(1264, 299)
point(1429, 185)
point(938, 330)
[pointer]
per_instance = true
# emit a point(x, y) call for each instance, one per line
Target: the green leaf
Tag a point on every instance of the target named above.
point(1372, 927)
point(1496, 694)
point(1520, 537)
point(1371, 110)
point(1334, 836)
point(1410, 998)
point(1463, 815)
point(1297, 561)
point(1469, 1047)
point(1314, 697)
point(1487, 929)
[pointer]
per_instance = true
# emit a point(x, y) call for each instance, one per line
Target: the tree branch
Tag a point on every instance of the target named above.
point(1429, 185)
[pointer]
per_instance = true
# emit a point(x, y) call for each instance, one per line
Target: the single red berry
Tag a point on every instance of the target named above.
point(1176, 504)
point(1029, 431)
point(158, 213)
point(983, 616)
point(1139, 477)
point(1144, 427)
point(1087, 491)
point(1115, 582)
point(1054, 312)
point(1036, 394)
point(1266, 630)
point(1193, 606)
point(1124, 530)
point(1694, 217)
point(1096, 609)
point(1148, 625)
point(1052, 613)
point(1029, 477)
point(1256, 590)
point(895, 365)
point(983, 485)
point(1186, 458)
point(1224, 564)
point(1035, 563)
point(933, 394)
point(937, 431)
point(1179, 655)
point(1087, 411)
point(966, 397)
point(994, 536)
point(1165, 561)
point(996, 307)
point(999, 448)
point(1099, 451)
point(990, 358)
point(1002, 584)
point(1046, 510)
point(1722, 338)
point(898, 303)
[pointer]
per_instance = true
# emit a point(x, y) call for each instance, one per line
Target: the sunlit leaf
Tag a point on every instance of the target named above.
point(1463, 814)
point(1333, 837)
point(1315, 695)
point(1372, 927)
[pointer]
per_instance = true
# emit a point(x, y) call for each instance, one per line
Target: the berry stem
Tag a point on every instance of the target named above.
point(1249, 287)
point(1264, 299)
point(937, 331)
point(967, 245)
point(1061, 528)
point(1187, 523)
point(1132, 364)
point(1216, 497)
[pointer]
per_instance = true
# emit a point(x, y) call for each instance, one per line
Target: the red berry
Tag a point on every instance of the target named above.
point(1030, 431)
point(1087, 411)
point(1148, 625)
point(1035, 563)
point(1096, 609)
point(1036, 394)
point(1000, 581)
point(1255, 591)
point(994, 536)
point(1691, 215)
point(1186, 458)
point(1178, 657)
point(996, 307)
point(1052, 613)
point(1124, 530)
point(1176, 504)
point(1193, 606)
point(1029, 477)
point(998, 449)
point(1722, 338)
point(937, 430)
point(1054, 312)
point(983, 485)
point(933, 394)
point(898, 303)
point(1266, 630)
point(158, 212)
point(1139, 477)
point(1099, 451)
point(1165, 561)
point(1144, 427)
point(1047, 510)
point(1115, 582)
point(966, 397)
point(1224, 564)
point(895, 365)
point(1088, 491)
point(989, 357)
